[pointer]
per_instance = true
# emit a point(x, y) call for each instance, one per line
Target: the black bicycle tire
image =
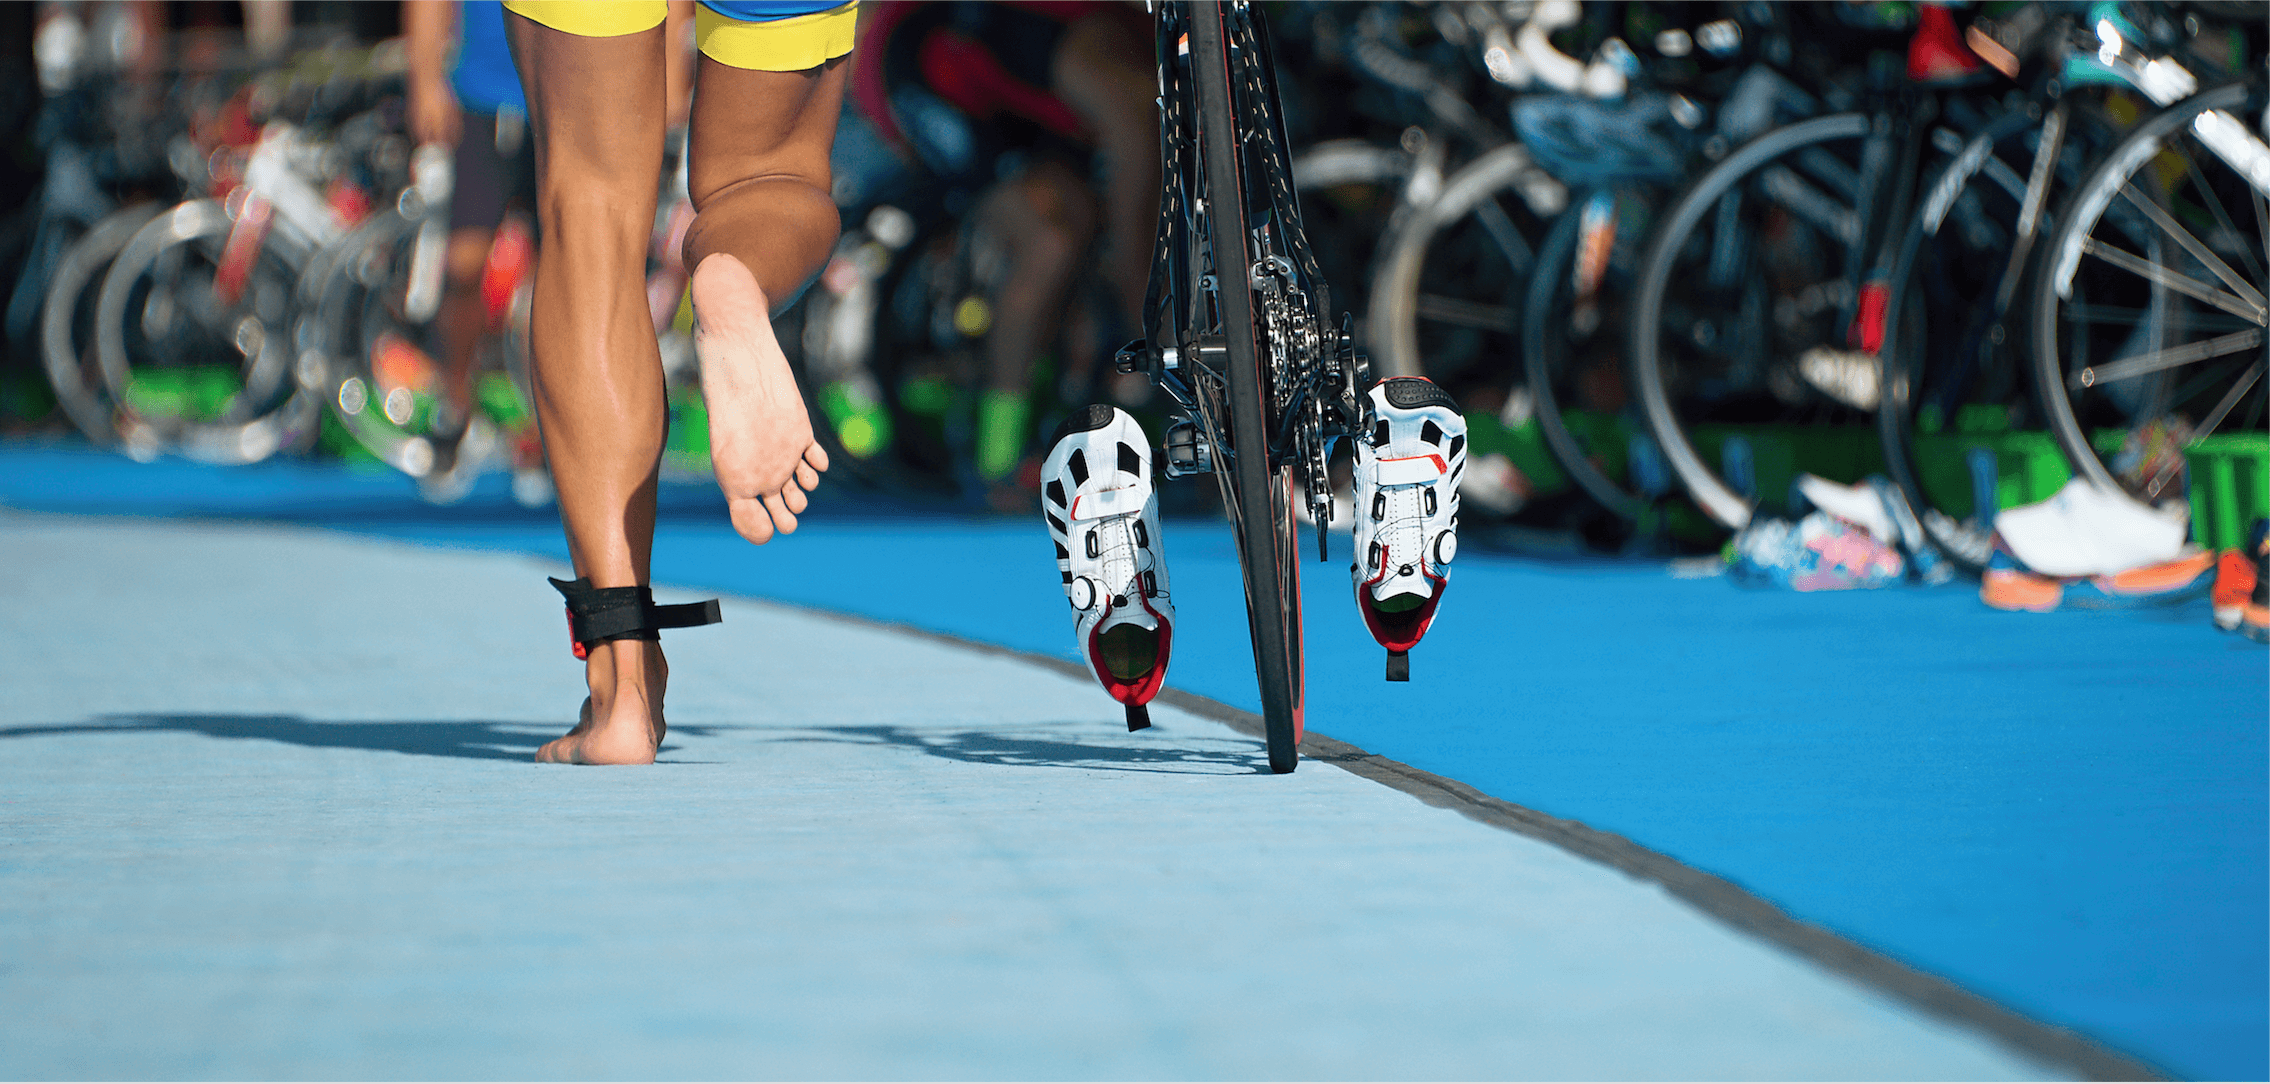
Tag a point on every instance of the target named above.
point(81, 269)
point(2079, 216)
point(1895, 413)
point(1554, 254)
point(1272, 583)
point(1709, 492)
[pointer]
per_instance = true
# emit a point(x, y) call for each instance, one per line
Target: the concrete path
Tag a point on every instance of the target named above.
point(266, 811)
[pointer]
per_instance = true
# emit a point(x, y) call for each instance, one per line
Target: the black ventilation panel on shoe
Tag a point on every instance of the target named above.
point(1379, 434)
point(1056, 523)
point(1130, 460)
point(1087, 419)
point(1411, 392)
point(1078, 465)
point(1457, 445)
point(1431, 433)
point(1062, 554)
point(1055, 490)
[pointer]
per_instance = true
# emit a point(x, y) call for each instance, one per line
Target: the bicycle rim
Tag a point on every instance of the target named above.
point(1261, 492)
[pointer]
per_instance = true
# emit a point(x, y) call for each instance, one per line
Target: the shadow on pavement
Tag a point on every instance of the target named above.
point(470, 739)
point(1010, 750)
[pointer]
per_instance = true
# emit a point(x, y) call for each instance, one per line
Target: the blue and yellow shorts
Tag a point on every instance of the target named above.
point(759, 35)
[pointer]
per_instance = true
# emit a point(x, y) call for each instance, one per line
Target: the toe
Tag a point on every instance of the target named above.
point(807, 477)
point(751, 520)
point(782, 517)
point(816, 456)
point(795, 500)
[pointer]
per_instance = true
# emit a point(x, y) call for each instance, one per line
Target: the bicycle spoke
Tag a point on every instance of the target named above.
point(2181, 283)
point(1830, 170)
point(1451, 310)
point(2261, 216)
point(2129, 317)
point(2136, 365)
point(2222, 215)
point(1783, 186)
point(2207, 428)
point(2197, 248)
point(1506, 234)
point(1728, 255)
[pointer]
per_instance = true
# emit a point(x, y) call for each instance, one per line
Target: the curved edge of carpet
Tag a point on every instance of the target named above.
point(1713, 895)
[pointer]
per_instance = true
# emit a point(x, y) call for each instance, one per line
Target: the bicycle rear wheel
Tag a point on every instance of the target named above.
point(1955, 397)
point(1756, 262)
point(196, 368)
point(1260, 490)
point(2151, 307)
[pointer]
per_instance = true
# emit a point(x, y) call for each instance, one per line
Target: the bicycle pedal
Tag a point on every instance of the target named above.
point(1138, 717)
point(1187, 450)
point(1398, 666)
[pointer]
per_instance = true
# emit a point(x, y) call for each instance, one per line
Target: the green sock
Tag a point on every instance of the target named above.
point(1001, 420)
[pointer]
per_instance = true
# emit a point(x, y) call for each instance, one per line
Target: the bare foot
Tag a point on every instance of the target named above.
point(760, 438)
point(621, 721)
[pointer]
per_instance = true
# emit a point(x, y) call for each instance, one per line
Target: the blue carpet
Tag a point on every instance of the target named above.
point(2064, 812)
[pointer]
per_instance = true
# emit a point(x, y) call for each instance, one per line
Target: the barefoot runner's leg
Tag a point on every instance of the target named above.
point(595, 74)
point(596, 111)
point(758, 175)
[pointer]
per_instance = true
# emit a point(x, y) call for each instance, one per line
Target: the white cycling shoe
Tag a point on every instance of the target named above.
point(1103, 515)
point(1407, 471)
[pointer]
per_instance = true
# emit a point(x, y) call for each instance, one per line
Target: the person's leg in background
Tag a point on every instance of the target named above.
point(1046, 220)
point(1103, 69)
point(596, 108)
point(477, 205)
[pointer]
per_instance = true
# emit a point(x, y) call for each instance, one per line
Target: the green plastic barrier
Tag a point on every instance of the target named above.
point(2230, 487)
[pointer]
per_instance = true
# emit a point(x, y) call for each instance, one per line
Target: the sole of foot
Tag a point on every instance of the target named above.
point(760, 436)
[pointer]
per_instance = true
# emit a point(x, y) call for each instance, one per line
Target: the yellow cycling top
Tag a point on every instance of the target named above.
point(759, 35)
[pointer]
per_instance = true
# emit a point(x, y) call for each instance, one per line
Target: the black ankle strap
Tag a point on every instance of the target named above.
point(597, 615)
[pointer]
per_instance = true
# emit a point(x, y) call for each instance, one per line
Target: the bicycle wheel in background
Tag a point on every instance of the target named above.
point(384, 389)
point(67, 322)
point(1446, 297)
point(1758, 261)
point(200, 360)
point(1349, 191)
point(1954, 393)
point(2151, 308)
point(1260, 491)
point(1571, 349)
